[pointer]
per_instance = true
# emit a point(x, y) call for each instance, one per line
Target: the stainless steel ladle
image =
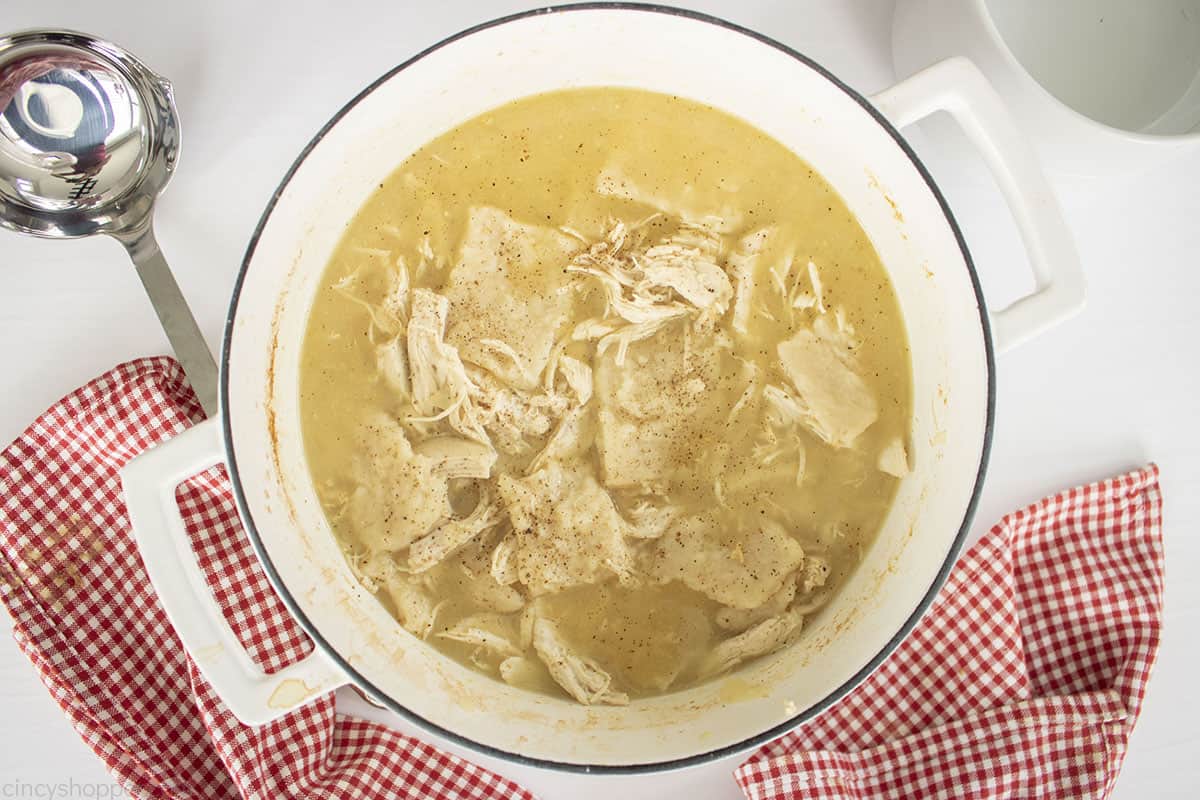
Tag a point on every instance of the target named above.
point(89, 137)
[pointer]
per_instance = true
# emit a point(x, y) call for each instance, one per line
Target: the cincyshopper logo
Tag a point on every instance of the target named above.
point(70, 789)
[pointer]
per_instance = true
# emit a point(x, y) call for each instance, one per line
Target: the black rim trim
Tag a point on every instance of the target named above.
point(610, 769)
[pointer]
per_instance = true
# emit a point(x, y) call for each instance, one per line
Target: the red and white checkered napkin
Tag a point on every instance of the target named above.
point(85, 615)
point(1025, 677)
point(1023, 680)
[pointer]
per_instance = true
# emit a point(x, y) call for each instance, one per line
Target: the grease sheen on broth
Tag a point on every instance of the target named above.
point(614, 524)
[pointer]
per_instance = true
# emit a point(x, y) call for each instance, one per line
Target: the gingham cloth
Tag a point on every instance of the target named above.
point(85, 614)
point(1025, 677)
point(1023, 680)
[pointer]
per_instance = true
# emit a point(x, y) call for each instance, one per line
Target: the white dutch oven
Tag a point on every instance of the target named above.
point(851, 140)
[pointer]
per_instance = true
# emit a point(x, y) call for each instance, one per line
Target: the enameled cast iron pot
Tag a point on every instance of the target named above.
point(852, 140)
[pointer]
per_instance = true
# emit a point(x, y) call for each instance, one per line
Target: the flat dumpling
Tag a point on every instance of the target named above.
point(566, 530)
point(507, 286)
point(837, 403)
point(399, 494)
point(740, 567)
point(663, 410)
point(686, 202)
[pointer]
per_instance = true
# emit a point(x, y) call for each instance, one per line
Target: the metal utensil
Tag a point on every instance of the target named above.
point(89, 137)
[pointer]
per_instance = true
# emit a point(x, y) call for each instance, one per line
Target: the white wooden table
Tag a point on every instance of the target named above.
point(1114, 388)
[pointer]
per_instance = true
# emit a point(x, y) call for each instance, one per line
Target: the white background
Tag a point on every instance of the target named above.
point(1112, 389)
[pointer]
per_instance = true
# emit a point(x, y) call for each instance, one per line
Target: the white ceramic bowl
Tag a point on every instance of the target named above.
point(847, 138)
point(1103, 87)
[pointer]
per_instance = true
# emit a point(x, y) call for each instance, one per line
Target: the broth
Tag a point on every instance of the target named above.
point(605, 392)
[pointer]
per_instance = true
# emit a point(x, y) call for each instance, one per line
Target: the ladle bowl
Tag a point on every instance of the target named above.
point(89, 137)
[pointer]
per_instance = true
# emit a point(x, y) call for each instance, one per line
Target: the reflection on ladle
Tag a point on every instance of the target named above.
point(89, 137)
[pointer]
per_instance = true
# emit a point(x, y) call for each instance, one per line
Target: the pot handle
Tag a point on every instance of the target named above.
point(149, 482)
point(957, 87)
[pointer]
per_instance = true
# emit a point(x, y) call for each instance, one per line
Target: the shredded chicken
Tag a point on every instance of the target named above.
point(521, 672)
point(578, 376)
point(691, 273)
point(649, 286)
point(814, 574)
point(453, 457)
point(759, 640)
point(380, 285)
point(450, 536)
point(441, 388)
point(583, 678)
point(489, 631)
point(504, 562)
point(744, 266)
point(391, 360)
point(613, 262)
point(781, 438)
point(893, 459)
point(624, 336)
point(512, 416)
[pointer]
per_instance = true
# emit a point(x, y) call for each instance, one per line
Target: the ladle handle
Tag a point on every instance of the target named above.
point(177, 321)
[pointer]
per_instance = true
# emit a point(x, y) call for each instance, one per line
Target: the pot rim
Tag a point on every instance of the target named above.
point(607, 769)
